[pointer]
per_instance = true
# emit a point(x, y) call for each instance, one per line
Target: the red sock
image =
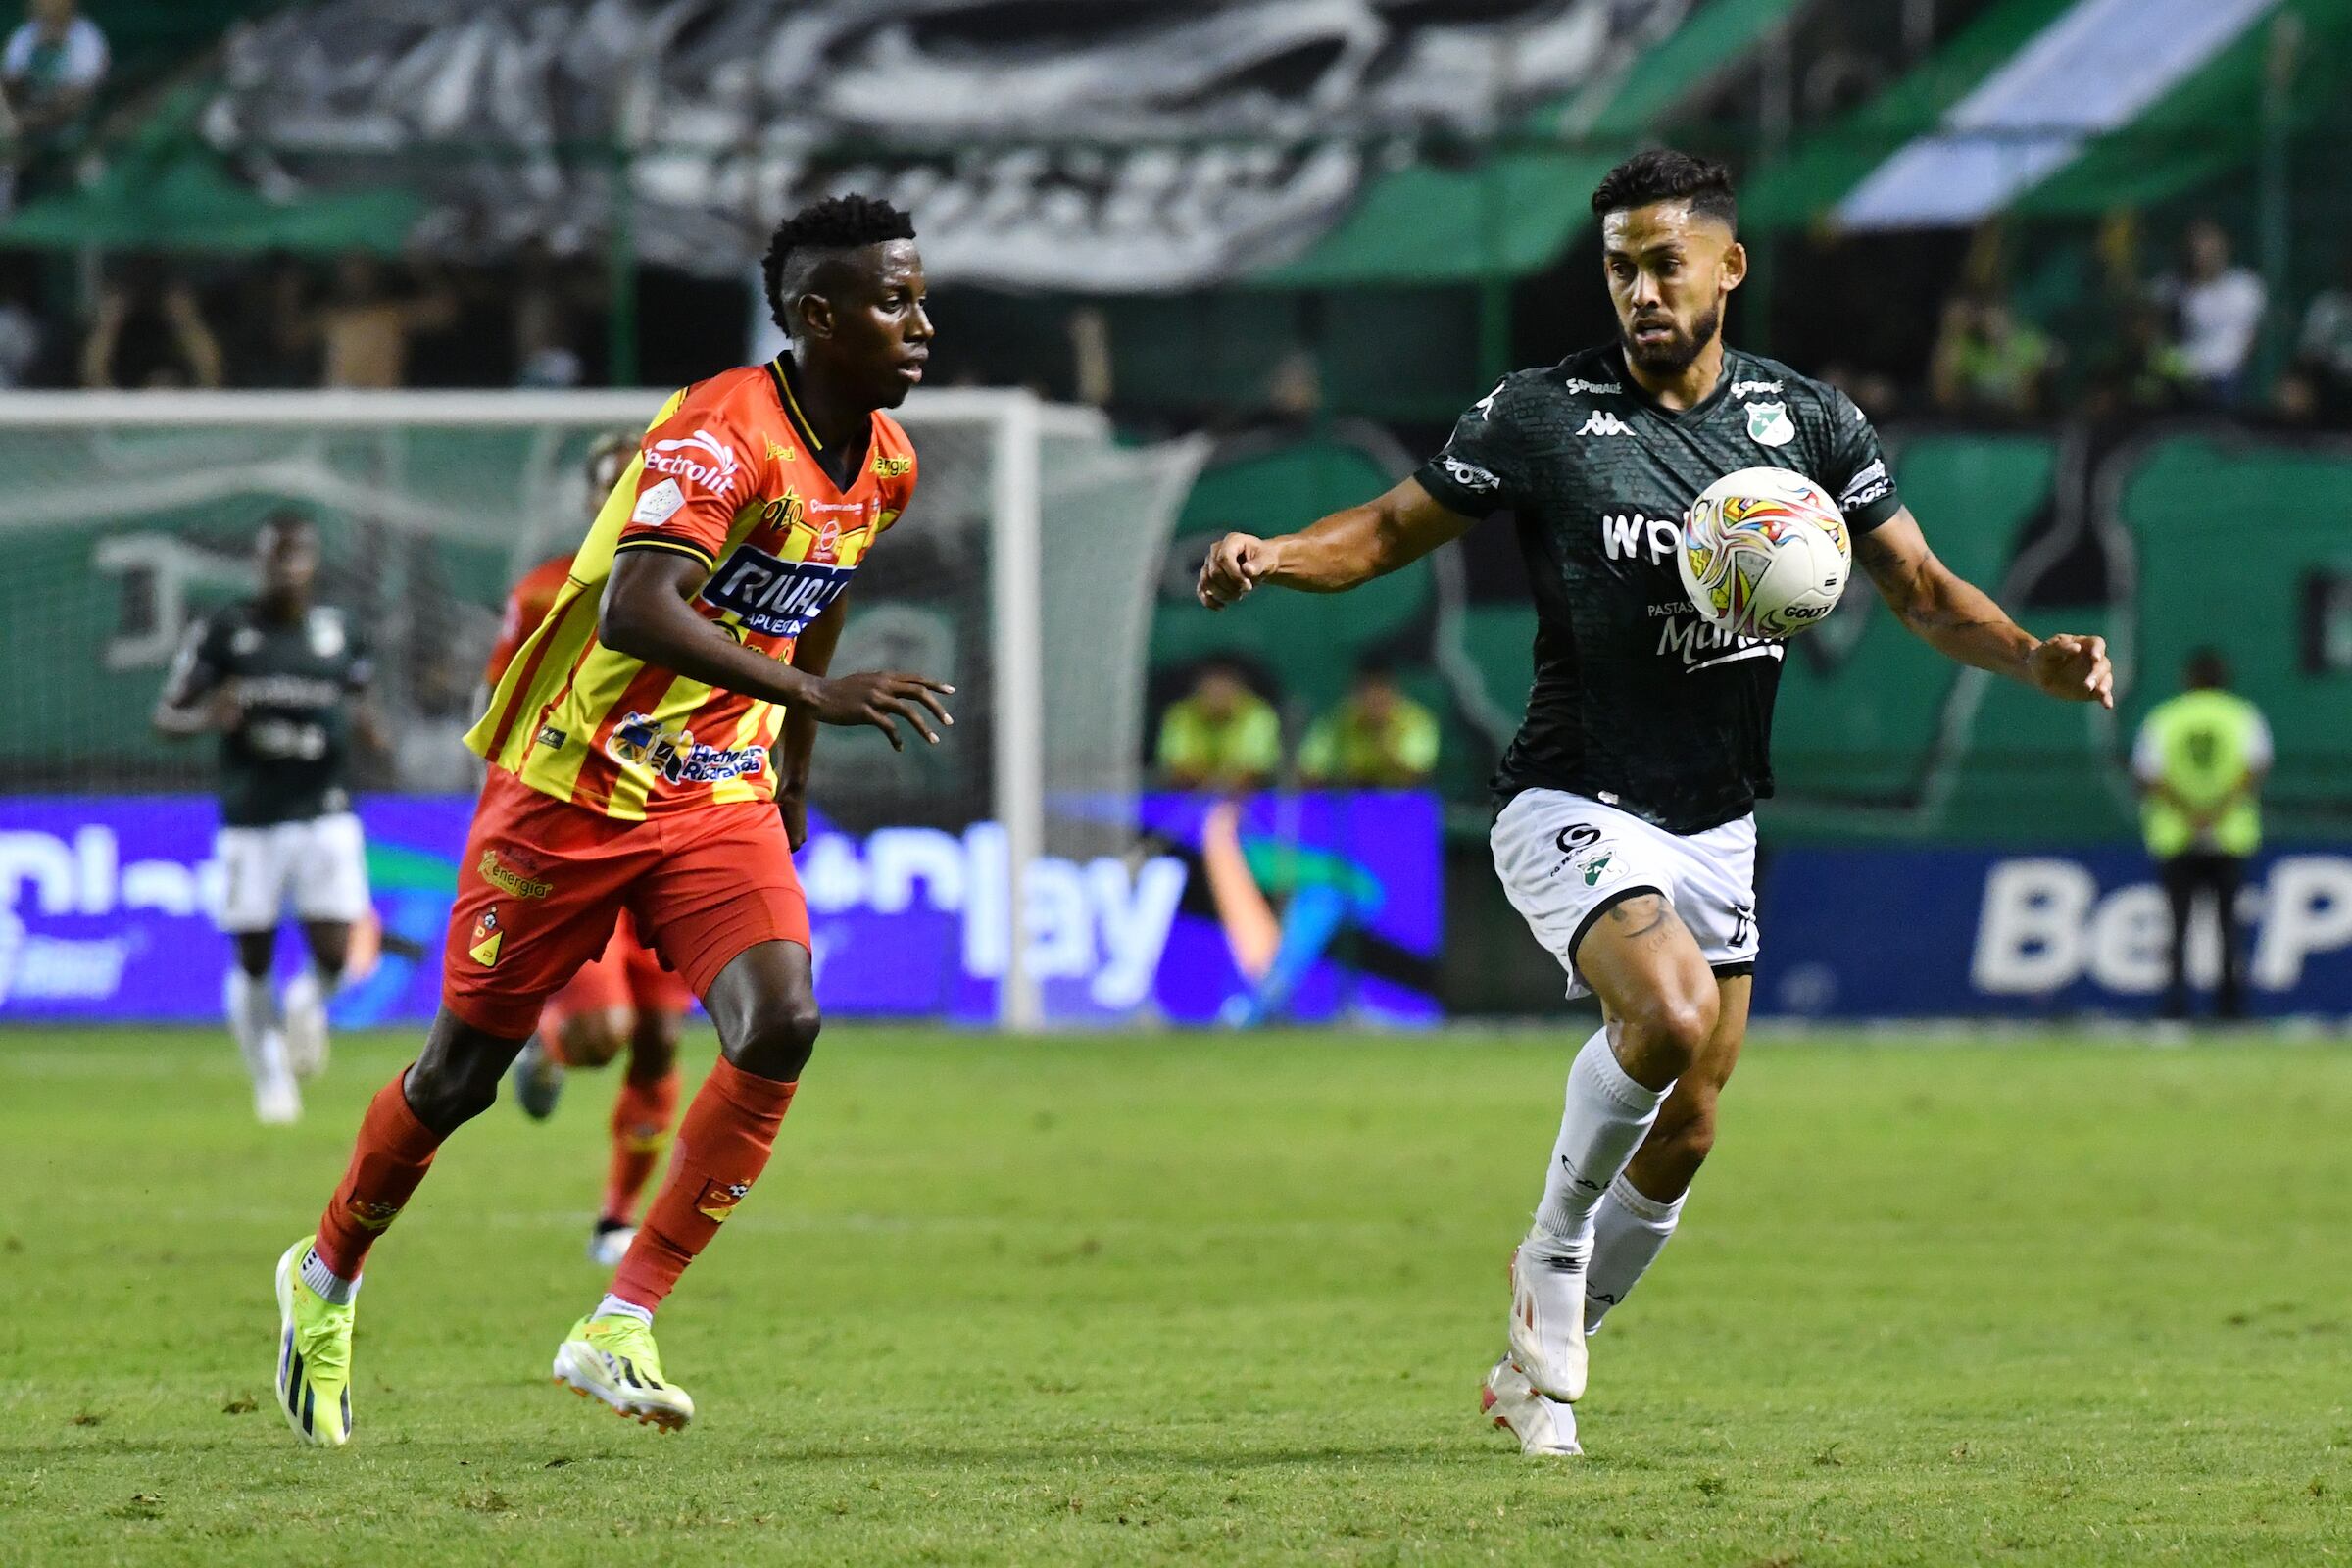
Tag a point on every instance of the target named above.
point(642, 1114)
point(393, 1153)
point(723, 1147)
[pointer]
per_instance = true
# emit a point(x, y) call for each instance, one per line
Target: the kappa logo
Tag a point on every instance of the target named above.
point(1604, 422)
point(701, 457)
point(717, 1200)
point(509, 880)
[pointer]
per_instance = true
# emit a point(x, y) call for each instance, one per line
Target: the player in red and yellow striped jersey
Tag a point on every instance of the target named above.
point(649, 749)
point(620, 1002)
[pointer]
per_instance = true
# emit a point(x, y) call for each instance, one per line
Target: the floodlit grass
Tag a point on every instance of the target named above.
point(1214, 1300)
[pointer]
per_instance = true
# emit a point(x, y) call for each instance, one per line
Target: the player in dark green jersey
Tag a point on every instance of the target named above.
point(279, 679)
point(1624, 831)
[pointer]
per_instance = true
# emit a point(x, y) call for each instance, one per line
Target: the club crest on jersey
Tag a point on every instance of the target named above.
point(638, 741)
point(1769, 425)
point(779, 597)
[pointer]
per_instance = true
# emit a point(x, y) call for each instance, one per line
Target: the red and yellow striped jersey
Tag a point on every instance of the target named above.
point(527, 605)
point(726, 476)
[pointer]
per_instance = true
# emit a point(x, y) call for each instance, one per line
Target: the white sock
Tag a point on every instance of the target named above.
point(611, 1304)
point(333, 1287)
point(306, 1001)
point(1603, 1121)
point(251, 1010)
point(1629, 1231)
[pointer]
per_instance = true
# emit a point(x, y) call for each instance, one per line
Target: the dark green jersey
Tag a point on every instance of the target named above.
point(286, 758)
point(1638, 701)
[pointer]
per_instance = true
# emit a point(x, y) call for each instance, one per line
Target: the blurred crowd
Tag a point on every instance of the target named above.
point(1225, 735)
point(2125, 326)
point(2189, 339)
point(287, 322)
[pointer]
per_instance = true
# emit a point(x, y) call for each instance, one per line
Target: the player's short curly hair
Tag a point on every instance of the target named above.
point(1662, 175)
point(807, 236)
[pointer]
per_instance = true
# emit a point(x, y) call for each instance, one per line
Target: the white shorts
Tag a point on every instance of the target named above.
point(1564, 860)
point(319, 866)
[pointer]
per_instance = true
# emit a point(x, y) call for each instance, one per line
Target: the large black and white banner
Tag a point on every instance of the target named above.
point(1144, 145)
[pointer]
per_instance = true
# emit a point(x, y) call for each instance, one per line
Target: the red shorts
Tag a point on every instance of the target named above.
point(626, 977)
point(544, 881)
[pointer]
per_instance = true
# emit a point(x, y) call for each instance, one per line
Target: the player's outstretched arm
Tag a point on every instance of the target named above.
point(645, 614)
point(1336, 553)
point(1959, 621)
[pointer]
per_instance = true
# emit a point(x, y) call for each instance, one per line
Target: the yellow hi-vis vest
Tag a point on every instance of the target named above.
point(2200, 744)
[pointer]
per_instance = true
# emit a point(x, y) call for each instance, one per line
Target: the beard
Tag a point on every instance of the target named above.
point(1674, 356)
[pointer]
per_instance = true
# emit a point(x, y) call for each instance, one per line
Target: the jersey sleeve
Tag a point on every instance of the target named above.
point(899, 471)
point(199, 665)
point(694, 471)
point(1856, 470)
point(1482, 466)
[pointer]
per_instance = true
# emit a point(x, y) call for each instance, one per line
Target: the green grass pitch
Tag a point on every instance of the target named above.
point(1214, 1300)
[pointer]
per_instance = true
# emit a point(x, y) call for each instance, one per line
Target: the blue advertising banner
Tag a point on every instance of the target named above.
point(1310, 907)
point(1878, 933)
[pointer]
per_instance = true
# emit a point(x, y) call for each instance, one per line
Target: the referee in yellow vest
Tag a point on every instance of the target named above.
point(2200, 760)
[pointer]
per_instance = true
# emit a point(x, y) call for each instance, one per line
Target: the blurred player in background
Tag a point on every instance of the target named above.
point(624, 1000)
point(280, 680)
point(649, 749)
point(1625, 833)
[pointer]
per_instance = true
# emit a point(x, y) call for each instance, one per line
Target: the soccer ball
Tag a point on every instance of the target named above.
point(1764, 552)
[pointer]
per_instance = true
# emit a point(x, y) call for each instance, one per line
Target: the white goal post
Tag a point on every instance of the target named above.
point(1064, 526)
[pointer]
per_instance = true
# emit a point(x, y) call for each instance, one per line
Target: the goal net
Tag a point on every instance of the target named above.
point(1022, 575)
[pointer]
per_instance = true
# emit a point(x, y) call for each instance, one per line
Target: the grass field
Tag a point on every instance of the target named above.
point(1212, 1301)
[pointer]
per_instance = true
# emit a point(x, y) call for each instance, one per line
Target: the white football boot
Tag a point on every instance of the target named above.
point(610, 1243)
point(1547, 1322)
point(276, 1102)
point(1542, 1425)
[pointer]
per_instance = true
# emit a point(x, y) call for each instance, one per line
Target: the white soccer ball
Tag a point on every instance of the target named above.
point(1764, 552)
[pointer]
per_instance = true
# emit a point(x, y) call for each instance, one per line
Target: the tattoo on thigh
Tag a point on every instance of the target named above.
point(1643, 915)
